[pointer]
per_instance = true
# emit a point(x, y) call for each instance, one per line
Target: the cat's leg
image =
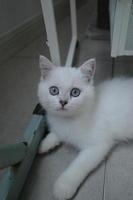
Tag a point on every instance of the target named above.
point(48, 143)
point(87, 160)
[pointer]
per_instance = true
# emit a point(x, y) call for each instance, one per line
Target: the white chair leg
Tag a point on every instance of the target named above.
point(72, 47)
point(49, 19)
point(50, 24)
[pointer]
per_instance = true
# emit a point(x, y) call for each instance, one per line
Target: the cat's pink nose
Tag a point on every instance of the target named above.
point(63, 103)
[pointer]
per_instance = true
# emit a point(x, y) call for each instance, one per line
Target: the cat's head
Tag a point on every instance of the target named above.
point(66, 91)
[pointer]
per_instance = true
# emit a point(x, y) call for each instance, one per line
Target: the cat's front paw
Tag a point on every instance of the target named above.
point(64, 189)
point(48, 143)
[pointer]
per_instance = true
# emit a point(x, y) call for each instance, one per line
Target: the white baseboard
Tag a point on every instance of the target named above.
point(16, 39)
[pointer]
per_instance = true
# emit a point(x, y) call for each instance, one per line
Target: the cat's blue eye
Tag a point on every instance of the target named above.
point(75, 92)
point(53, 90)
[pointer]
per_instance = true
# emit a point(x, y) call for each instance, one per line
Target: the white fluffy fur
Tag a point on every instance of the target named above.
point(93, 121)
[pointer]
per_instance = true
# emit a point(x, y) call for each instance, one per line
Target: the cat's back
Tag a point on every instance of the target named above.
point(115, 104)
point(120, 88)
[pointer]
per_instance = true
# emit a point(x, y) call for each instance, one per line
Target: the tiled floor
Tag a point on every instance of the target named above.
point(19, 76)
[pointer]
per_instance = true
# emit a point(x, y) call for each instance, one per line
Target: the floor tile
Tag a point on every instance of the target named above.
point(46, 170)
point(94, 49)
point(36, 48)
point(119, 179)
point(18, 78)
point(123, 68)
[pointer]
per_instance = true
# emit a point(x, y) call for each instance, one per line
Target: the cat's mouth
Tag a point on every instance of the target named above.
point(62, 109)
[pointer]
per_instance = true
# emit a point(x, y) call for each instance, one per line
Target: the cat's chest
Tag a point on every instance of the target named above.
point(72, 132)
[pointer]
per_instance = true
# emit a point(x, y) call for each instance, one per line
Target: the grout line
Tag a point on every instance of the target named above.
point(104, 180)
point(113, 67)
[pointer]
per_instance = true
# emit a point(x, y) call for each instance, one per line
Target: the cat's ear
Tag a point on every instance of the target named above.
point(88, 68)
point(45, 66)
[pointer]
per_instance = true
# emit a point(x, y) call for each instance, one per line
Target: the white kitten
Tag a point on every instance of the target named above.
point(89, 118)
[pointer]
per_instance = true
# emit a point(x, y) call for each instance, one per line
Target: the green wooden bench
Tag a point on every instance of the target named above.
point(18, 158)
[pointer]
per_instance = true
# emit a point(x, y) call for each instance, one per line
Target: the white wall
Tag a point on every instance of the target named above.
point(15, 12)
